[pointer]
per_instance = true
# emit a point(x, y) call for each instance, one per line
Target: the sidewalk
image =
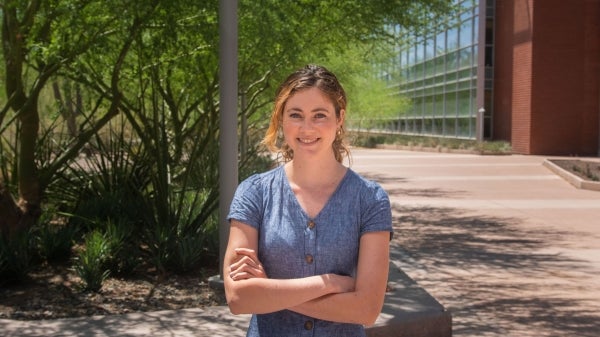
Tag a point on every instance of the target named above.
point(506, 245)
point(503, 243)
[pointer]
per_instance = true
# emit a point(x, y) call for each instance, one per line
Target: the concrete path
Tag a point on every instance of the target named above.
point(506, 245)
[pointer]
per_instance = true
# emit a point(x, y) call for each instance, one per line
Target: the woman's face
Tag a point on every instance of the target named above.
point(310, 124)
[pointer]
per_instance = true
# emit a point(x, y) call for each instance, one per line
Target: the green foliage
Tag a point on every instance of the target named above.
point(90, 263)
point(177, 236)
point(15, 258)
point(371, 140)
point(54, 242)
point(189, 251)
point(369, 96)
point(277, 37)
point(107, 183)
point(138, 166)
point(123, 254)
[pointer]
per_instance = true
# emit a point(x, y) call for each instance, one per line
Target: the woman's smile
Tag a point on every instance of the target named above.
point(308, 140)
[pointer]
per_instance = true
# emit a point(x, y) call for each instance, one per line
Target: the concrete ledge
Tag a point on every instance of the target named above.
point(571, 178)
point(409, 311)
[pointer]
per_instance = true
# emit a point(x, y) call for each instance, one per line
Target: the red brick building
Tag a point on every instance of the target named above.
point(546, 76)
point(522, 71)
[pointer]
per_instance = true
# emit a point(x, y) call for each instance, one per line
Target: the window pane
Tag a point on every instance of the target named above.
point(466, 36)
point(429, 53)
point(440, 43)
point(452, 38)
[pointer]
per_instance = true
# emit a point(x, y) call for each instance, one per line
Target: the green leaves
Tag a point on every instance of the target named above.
point(155, 64)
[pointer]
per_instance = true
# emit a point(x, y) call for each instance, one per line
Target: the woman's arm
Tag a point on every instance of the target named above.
point(249, 291)
point(363, 305)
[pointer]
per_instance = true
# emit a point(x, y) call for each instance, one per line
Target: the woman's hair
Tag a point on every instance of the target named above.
point(310, 76)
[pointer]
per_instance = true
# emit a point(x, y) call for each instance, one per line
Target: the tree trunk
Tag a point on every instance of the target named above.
point(11, 214)
point(25, 213)
point(29, 180)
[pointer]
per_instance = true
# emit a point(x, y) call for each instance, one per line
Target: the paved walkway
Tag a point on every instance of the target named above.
point(507, 246)
point(510, 248)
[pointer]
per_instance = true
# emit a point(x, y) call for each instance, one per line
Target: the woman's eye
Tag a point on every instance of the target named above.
point(320, 115)
point(295, 115)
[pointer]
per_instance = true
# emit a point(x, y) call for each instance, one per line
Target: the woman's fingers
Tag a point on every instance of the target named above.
point(245, 272)
point(246, 266)
point(245, 260)
point(247, 252)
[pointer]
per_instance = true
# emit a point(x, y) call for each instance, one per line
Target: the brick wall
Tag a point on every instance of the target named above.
point(503, 60)
point(564, 121)
point(547, 74)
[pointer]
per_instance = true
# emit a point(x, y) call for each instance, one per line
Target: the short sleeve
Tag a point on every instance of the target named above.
point(377, 214)
point(246, 205)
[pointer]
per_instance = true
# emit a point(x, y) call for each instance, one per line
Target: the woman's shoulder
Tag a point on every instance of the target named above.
point(262, 179)
point(366, 188)
point(357, 179)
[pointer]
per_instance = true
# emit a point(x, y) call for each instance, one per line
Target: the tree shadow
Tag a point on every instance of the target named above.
point(496, 277)
point(389, 183)
point(214, 322)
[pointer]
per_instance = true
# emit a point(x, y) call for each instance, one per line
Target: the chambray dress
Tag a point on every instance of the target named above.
point(292, 245)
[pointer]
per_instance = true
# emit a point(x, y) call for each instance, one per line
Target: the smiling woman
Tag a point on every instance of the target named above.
point(310, 123)
point(308, 245)
point(332, 99)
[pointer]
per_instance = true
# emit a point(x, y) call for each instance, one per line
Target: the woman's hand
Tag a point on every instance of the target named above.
point(339, 283)
point(246, 265)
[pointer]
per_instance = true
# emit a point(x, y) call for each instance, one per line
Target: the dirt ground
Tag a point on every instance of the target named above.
point(54, 292)
point(585, 169)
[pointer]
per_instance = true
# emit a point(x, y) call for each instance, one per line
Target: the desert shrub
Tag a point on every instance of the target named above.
point(90, 262)
point(122, 253)
point(15, 257)
point(188, 253)
point(53, 242)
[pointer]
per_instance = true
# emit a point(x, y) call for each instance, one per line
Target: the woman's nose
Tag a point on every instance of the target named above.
point(307, 123)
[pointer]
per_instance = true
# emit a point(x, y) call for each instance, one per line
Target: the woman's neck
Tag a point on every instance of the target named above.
point(315, 174)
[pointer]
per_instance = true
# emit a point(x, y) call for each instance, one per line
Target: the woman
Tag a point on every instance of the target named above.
point(308, 249)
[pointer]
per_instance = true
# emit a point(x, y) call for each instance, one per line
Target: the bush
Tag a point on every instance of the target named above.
point(122, 253)
point(54, 242)
point(15, 257)
point(90, 263)
point(188, 253)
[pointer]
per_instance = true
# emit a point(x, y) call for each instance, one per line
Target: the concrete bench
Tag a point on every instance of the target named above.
point(409, 311)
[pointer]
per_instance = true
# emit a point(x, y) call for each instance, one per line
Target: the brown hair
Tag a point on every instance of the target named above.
point(310, 76)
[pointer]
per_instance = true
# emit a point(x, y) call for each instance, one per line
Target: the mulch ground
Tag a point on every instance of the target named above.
point(585, 169)
point(55, 292)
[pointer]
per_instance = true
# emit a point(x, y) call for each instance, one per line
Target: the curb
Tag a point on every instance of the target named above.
point(571, 178)
point(441, 149)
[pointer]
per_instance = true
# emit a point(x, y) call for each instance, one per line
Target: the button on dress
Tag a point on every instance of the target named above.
point(293, 245)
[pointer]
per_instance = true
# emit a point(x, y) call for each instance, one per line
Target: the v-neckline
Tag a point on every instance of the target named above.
point(325, 205)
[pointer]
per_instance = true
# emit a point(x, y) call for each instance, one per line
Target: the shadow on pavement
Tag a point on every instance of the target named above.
point(214, 322)
point(496, 277)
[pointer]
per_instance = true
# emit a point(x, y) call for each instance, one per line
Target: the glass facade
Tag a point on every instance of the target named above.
point(438, 72)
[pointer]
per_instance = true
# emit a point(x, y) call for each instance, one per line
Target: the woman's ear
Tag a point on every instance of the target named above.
point(342, 117)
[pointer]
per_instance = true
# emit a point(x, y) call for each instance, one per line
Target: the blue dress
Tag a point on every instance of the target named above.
point(292, 245)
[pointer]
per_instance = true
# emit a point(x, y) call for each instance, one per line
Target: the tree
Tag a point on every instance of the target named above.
point(39, 38)
point(155, 63)
point(347, 36)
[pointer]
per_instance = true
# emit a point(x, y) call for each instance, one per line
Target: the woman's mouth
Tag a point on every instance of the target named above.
point(308, 140)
